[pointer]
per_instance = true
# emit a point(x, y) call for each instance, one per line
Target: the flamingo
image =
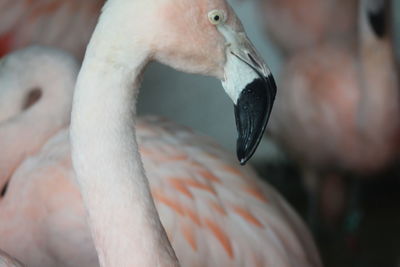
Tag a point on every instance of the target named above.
point(35, 124)
point(305, 23)
point(66, 24)
point(214, 212)
point(335, 111)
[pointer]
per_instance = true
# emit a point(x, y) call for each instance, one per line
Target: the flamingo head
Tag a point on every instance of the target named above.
point(206, 37)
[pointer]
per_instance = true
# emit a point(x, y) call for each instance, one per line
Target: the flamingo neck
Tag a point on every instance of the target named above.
point(121, 213)
point(378, 79)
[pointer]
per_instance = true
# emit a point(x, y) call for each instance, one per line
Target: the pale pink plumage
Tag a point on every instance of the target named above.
point(215, 212)
point(33, 123)
point(67, 24)
point(326, 118)
point(299, 24)
point(336, 111)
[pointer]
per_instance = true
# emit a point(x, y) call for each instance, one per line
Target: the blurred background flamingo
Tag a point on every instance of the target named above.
point(335, 109)
point(335, 113)
point(306, 23)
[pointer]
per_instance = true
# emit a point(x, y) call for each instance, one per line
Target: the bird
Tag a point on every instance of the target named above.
point(335, 111)
point(305, 23)
point(34, 124)
point(65, 24)
point(202, 37)
point(43, 205)
point(214, 212)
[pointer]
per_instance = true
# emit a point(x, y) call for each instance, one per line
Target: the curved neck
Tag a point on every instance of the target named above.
point(35, 101)
point(122, 216)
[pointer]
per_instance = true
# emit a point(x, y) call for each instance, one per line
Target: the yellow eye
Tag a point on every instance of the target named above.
point(216, 16)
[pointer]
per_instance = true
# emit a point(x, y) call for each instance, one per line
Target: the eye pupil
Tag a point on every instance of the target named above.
point(215, 16)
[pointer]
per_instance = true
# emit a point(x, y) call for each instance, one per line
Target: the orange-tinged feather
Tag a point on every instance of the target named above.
point(248, 216)
point(188, 233)
point(179, 185)
point(198, 185)
point(169, 158)
point(144, 151)
point(256, 193)
point(179, 157)
point(211, 155)
point(193, 216)
point(160, 197)
point(195, 164)
point(209, 176)
point(231, 170)
point(217, 207)
point(221, 237)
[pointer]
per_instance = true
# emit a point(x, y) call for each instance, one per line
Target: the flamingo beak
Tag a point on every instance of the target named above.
point(252, 113)
point(252, 88)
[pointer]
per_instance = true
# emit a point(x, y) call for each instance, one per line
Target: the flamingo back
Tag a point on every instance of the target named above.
point(215, 212)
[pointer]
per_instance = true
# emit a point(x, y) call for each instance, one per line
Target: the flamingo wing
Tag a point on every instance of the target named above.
point(215, 212)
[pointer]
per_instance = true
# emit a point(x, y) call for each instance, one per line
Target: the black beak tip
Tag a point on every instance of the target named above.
point(242, 158)
point(252, 113)
point(246, 150)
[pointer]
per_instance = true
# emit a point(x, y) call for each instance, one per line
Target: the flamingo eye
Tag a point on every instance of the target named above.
point(216, 17)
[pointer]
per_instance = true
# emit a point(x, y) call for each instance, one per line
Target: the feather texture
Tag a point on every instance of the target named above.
point(215, 212)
